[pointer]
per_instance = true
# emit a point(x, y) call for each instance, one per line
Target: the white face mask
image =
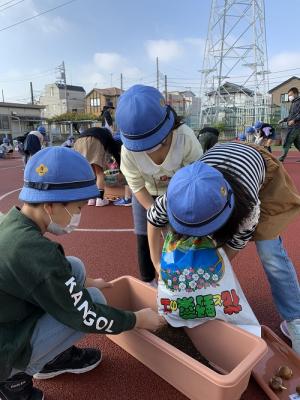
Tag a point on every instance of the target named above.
point(59, 230)
point(291, 98)
point(154, 149)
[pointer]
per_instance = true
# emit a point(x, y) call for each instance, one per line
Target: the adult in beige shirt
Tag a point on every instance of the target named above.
point(156, 143)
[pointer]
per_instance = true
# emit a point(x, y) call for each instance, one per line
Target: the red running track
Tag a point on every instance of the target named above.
point(112, 254)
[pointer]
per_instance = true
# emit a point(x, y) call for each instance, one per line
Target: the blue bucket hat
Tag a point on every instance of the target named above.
point(242, 136)
point(258, 124)
point(250, 130)
point(199, 200)
point(41, 129)
point(58, 175)
point(143, 118)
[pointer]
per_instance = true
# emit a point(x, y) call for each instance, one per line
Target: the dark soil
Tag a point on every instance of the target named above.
point(179, 339)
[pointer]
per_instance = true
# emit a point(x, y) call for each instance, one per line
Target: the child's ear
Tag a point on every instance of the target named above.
point(48, 207)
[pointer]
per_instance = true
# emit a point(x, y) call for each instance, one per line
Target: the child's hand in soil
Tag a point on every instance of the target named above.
point(149, 319)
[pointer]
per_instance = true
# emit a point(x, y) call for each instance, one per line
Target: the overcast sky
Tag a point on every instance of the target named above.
point(100, 39)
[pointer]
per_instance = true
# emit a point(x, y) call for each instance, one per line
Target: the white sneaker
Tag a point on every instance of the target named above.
point(294, 331)
point(92, 202)
point(101, 202)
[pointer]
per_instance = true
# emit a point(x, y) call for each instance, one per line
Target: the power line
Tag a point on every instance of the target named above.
point(18, 2)
point(4, 4)
point(37, 15)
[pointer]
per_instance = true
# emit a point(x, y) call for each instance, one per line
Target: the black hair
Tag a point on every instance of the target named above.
point(294, 90)
point(243, 205)
point(210, 130)
point(178, 120)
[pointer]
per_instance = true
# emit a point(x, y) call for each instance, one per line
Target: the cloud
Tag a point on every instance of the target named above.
point(169, 50)
point(105, 70)
point(165, 50)
point(285, 60)
point(109, 62)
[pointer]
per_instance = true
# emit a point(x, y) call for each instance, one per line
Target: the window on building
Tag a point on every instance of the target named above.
point(284, 98)
point(95, 102)
point(4, 122)
point(74, 109)
point(52, 91)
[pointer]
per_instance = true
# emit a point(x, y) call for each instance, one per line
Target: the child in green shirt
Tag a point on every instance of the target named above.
point(49, 303)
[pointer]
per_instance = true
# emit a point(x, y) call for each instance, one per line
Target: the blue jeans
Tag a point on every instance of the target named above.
point(282, 277)
point(50, 337)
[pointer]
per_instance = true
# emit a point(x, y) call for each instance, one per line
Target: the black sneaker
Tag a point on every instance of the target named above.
point(73, 360)
point(19, 387)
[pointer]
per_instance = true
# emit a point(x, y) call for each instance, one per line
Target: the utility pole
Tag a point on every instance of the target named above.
point(157, 74)
point(166, 88)
point(121, 77)
point(2, 96)
point(62, 79)
point(31, 93)
point(65, 83)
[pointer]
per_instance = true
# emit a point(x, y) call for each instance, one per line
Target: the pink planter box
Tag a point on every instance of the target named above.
point(225, 345)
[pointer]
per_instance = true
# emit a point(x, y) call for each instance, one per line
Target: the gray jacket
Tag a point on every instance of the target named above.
point(294, 113)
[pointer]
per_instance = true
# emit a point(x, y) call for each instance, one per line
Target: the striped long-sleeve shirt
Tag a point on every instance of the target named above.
point(243, 161)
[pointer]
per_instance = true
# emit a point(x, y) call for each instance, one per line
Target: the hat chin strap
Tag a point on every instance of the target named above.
point(58, 186)
point(209, 220)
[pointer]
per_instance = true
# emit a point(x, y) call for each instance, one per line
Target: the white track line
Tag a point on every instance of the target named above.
point(9, 193)
point(103, 230)
point(15, 166)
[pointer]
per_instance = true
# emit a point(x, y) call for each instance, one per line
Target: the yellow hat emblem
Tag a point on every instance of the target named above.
point(223, 191)
point(42, 170)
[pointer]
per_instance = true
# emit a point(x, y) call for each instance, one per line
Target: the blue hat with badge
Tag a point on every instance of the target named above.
point(199, 200)
point(58, 175)
point(143, 118)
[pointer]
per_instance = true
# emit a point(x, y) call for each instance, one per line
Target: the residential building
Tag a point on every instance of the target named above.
point(59, 99)
point(235, 107)
point(280, 95)
point(186, 104)
point(17, 118)
point(96, 99)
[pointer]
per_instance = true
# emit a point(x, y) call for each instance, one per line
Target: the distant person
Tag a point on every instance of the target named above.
point(242, 137)
point(33, 142)
point(125, 201)
point(48, 301)
point(250, 131)
point(69, 142)
point(265, 134)
point(106, 118)
point(293, 121)
point(96, 145)
point(208, 137)
point(7, 146)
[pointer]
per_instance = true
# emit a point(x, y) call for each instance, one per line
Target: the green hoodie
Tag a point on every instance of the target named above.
point(36, 278)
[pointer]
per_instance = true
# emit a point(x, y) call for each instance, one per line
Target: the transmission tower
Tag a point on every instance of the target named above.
point(234, 81)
